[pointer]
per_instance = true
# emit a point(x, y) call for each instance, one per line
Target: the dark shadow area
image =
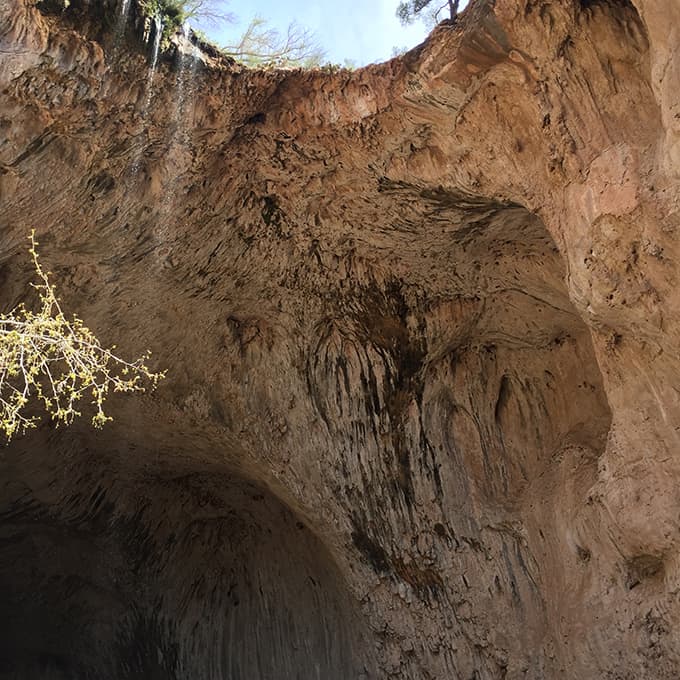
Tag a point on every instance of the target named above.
point(177, 575)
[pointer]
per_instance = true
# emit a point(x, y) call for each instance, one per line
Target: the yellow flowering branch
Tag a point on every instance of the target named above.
point(48, 358)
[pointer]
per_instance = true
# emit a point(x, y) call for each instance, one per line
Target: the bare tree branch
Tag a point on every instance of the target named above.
point(261, 44)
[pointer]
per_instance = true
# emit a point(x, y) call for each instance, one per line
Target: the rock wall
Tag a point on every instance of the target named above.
point(420, 324)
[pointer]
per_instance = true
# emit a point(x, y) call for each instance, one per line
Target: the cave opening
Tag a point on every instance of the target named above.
point(173, 574)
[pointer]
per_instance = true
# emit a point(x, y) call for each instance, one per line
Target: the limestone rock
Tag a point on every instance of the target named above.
point(420, 323)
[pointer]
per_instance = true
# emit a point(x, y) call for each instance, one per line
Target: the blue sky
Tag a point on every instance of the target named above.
point(362, 31)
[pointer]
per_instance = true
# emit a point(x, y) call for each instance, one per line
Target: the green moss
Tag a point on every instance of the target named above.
point(171, 12)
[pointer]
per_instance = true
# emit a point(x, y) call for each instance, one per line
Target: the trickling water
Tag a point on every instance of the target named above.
point(179, 148)
point(158, 28)
point(179, 154)
point(121, 20)
point(184, 84)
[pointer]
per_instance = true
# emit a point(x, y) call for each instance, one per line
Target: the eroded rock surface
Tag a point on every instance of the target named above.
point(420, 324)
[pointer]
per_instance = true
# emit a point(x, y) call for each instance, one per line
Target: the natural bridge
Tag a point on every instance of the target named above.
point(420, 322)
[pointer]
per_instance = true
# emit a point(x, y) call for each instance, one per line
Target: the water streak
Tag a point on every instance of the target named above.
point(184, 85)
point(158, 28)
point(179, 154)
point(121, 21)
point(179, 150)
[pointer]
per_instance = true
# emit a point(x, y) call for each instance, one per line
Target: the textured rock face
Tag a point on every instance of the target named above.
point(420, 324)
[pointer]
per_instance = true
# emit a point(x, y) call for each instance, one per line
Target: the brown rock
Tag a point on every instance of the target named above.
point(420, 323)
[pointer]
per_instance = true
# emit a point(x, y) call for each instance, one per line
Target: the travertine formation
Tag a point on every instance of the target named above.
point(420, 322)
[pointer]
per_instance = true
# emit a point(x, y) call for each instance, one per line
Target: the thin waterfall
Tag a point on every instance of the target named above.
point(187, 64)
point(158, 34)
point(121, 20)
point(179, 147)
point(158, 28)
